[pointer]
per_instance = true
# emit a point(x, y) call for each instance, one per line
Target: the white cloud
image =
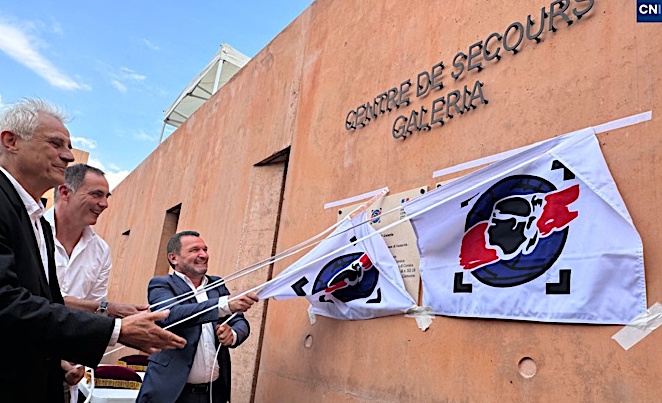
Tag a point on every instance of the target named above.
point(93, 162)
point(132, 75)
point(119, 86)
point(150, 45)
point(125, 77)
point(19, 44)
point(2, 105)
point(142, 136)
point(114, 176)
point(83, 143)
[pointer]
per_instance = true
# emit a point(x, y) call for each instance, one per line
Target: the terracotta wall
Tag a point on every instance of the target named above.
point(297, 92)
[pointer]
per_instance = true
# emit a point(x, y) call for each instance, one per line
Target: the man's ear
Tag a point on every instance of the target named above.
point(172, 258)
point(8, 141)
point(62, 191)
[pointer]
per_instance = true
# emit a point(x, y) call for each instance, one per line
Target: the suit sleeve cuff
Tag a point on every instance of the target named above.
point(116, 333)
point(223, 307)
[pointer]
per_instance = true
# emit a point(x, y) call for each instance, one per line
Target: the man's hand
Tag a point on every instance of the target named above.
point(139, 331)
point(243, 303)
point(117, 310)
point(225, 335)
point(72, 373)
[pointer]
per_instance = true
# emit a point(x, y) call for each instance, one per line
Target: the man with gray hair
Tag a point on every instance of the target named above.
point(37, 329)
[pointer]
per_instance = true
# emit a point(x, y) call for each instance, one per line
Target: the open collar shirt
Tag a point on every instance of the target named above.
point(85, 273)
point(205, 365)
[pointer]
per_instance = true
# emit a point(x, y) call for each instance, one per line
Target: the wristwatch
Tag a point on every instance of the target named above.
point(103, 308)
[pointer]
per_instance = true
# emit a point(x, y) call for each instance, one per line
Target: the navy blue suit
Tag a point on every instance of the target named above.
point(168, 370)
point(37, 330)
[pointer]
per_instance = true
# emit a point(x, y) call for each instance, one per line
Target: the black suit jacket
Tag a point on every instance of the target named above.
point(168, 370)
point(36, 329)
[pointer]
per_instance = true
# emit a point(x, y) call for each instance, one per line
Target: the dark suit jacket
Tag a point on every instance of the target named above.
point(37, 330)
point(168, 370)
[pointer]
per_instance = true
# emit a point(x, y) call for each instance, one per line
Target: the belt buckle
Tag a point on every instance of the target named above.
point(200, 389)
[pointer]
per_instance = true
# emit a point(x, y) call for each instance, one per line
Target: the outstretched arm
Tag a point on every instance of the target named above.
point(115, 309)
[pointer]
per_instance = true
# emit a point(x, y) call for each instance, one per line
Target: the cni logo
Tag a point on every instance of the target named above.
point(515, 231)
point(649, 10)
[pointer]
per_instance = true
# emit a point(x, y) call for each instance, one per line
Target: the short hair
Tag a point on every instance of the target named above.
point(74, 176)
point(175, 243)
point(21, 117)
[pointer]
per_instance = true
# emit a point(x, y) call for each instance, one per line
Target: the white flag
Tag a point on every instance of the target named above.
point(543, 235)
point(345, 277)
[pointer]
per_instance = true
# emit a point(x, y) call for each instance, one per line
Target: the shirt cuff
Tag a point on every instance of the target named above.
point(223, 307)
point(234, 337)
point(116, 333)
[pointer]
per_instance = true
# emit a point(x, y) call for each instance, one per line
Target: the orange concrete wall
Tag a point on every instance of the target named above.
point(297, 92)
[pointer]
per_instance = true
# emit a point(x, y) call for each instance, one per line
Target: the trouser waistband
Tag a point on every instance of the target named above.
point(197, 388)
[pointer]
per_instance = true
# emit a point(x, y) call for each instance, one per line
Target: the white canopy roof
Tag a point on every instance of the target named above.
point(218, 71)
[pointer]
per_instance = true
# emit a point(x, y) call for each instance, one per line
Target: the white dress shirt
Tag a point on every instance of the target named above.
point(205, 365)
point(85, 273)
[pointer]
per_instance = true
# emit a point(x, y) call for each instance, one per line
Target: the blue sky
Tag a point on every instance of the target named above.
point(116, 66)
